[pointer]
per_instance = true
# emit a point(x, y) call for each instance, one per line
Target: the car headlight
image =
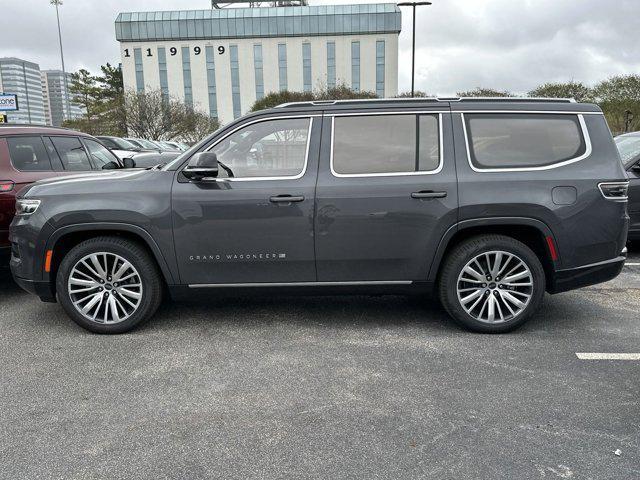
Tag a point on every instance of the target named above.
point(26, 206)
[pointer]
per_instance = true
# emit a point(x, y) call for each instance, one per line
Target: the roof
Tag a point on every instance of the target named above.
point(25, 129)
point(420, 100)
point(18, 61)
point(375, 18)
point(445, 104)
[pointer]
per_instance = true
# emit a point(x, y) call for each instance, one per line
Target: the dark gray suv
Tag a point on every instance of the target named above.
point(488, 203)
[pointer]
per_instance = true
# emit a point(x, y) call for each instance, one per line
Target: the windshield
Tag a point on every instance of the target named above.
point(147, 143)
point(629, 148)
point(123, 144)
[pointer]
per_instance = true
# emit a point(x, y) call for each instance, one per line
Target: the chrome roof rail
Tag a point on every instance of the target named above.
point(356, 101)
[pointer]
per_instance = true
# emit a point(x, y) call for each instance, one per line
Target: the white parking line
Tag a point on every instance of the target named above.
point(632, 264)
point(608, 356)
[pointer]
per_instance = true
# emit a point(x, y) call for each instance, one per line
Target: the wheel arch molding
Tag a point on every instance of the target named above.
point(501, 225)
point(89, 230)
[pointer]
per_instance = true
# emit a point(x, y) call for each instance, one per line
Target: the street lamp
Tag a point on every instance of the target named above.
point(57, 3)
point(413, 49)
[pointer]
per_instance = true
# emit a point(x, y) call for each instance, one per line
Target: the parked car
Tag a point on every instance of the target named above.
point(169, 146)
point(629, 148)
point(31, 153)
point(146, 144)
point(151, 159)
point(487, 203)
point(119, 146)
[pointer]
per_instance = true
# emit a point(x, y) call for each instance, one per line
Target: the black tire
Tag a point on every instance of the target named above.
point(463, 253)
point(134, 253)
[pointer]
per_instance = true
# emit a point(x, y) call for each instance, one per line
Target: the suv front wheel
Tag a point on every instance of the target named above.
point(109, 285)
point(491, 283)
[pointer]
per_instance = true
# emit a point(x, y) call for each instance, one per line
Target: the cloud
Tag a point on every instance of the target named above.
point(461, 44)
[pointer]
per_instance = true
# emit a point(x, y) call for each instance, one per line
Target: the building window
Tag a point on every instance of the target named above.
point(162, 67)
point(331, 65)
point(137, 57)
point(355, 66)
point(380, 68)
point(211, 82)
point(235, 81)
point(306, 67)
point(282, 65)
point(257, 66)
point(186, 76)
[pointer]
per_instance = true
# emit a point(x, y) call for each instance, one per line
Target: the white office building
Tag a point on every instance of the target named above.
point(222, 60)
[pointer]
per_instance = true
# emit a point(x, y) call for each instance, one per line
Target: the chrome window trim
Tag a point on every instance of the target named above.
point(583, 127)
point(310, 118)
point(438, 169)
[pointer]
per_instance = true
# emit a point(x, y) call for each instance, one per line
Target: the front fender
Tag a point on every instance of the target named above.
point(169, 275)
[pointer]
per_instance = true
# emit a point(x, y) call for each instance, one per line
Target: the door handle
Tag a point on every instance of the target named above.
point(286, 198)
point(428, 194)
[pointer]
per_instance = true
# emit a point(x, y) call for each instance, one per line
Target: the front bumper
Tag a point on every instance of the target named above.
point(565, 280)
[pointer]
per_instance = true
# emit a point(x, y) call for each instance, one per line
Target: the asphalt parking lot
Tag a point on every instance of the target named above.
point(323, 387)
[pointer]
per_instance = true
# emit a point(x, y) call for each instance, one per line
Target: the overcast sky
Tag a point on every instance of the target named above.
point(461, 44)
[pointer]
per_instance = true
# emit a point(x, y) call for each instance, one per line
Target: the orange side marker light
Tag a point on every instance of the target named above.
point(47, 261)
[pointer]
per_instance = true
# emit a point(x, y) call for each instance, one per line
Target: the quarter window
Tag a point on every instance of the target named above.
point(71, 153)
point(523, 140)
point(385, 144)
point(28, 154)
point(274, 148)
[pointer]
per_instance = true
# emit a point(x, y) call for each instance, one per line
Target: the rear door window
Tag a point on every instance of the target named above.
point(385, 144)
point(71, 153)
point(28, 154)
point(523, 140)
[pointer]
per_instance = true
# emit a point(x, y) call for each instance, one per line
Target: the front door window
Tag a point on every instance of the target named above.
point(274, 148)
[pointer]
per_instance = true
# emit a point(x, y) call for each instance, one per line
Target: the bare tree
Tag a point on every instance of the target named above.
point(190, 125)
point(150, 115)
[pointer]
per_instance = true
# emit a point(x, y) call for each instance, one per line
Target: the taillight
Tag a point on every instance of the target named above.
point(615, 191)
point(6, 185)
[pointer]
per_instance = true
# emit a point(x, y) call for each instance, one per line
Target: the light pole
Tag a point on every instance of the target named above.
point(628, 118)
point(413, 49)
point(57, 3)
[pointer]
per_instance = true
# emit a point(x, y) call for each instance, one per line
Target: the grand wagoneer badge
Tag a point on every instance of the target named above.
point(238, 257)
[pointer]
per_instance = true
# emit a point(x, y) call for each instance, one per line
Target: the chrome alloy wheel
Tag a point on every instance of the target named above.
point(495, 287)
point(105, 288)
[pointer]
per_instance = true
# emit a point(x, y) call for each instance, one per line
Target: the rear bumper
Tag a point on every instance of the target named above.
point(5, 256)
point(565, 280)
point(43, 290)
point(634, 234)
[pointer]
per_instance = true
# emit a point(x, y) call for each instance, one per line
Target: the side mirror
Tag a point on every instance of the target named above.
point(201, 166)
point(129, 162)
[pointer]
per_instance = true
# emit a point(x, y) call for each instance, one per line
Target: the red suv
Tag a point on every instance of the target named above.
point(31, 153)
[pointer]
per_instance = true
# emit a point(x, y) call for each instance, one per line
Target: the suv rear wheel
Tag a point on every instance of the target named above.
point(109, 285)
point(491, 283)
